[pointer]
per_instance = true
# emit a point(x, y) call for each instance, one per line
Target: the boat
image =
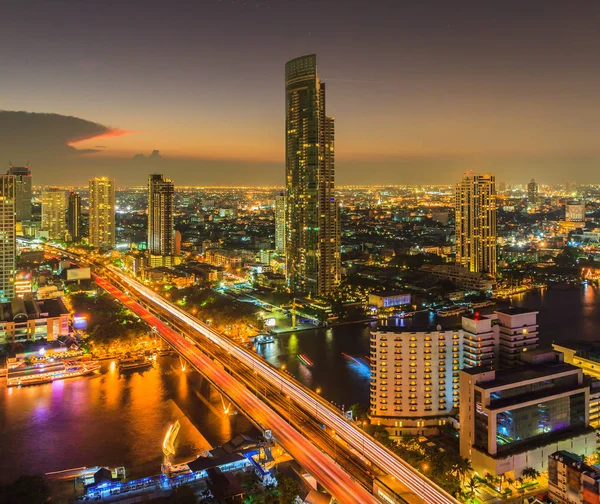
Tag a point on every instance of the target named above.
point(305, 360)
point(134, 363)
point(483, 304)
point(451, 312)
point(48, 372)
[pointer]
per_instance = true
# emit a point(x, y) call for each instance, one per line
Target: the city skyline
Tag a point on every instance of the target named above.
point(420, 101)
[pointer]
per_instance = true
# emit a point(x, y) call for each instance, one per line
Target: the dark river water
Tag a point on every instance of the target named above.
point(114, 419)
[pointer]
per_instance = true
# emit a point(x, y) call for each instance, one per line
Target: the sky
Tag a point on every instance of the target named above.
point(421, 90)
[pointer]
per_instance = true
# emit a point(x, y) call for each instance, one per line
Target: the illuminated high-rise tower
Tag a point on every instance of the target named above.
point(476, 223)
point(22, 191)
point(54, 212)
point(280, 223)
point(74, 216)
point(161, 224)
point(102, 212)
point(532, 192)
point(312, 213)
point(8, 244)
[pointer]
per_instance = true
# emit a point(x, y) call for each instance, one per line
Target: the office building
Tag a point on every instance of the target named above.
point(312, 212)
point(414, 378)
point(8, 243)
point(102, 213)
point(480, 340)
point(518, 333)
point(532, 193)
point(571, 480)
point(575, 212)
point(280, 223)
point(54, 211)
point(475, 216)
point(74, 217)
point(514, 418)
point(161, 224)
point(22, 176)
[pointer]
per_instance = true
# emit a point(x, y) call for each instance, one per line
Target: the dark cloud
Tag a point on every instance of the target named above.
point(45, 137)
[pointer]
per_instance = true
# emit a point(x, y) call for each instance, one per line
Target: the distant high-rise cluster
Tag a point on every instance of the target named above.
point(312, 213)
point(476, 223)
point(54, 210)
point(8, 245)
point(161, 224)
point(102, 212)
point(22, 176)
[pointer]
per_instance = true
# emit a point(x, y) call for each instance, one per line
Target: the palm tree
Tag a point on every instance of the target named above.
point(530, 473)
point(462, 469)
point(472, 485)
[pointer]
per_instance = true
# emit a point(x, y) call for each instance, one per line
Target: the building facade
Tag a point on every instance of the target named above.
point(514, 418)
point(161, 223)
point(518, 330)
point(476, 235)
point(414, 378)
point(22, 176)
point(280, 223)
point(575, 212)
point(571, 480)
point(480, 340)
point(532, 193)
point(102, 213)
point(8, 243)
point(74, 216)
point(312, 212)
point(29, 320)
point(54, 213)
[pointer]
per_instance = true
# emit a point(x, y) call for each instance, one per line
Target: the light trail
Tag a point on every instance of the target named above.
point(359, 440)
point(325, 470)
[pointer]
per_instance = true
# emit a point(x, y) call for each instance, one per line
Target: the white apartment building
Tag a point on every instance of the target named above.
point(414, 378)
point(518, 333)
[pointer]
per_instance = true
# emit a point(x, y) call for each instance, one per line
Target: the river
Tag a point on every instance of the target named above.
point(114, 419)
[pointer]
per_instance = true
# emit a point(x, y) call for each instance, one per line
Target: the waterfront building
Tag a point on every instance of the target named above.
point(280, 223)
point(389, 299)
point(54, 211)
point(481, 340)
point(514, 418)
point(102, 213)
point(571, 480)
point(518, 329)
point(8, 243)
point(30, 320)
point(475, 216)
point(461, 276)
point(22, 176)
point(312, 212)
point(575, 212)
point(161, 223)
point(414, 378)
point(74, 216)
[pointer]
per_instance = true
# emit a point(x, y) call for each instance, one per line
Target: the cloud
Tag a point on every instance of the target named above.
point(47, 137)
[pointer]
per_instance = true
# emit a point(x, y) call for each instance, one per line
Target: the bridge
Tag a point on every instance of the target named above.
point(303, 399)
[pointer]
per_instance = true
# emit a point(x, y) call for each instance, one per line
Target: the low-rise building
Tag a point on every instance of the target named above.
point(570, 480)
point(583, 354)
point(29, 320)
point(461, 276)
point(514, 418)
point(385, 299)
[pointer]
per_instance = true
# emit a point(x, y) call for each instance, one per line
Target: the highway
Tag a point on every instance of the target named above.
point(325, 470)
point(306, 399)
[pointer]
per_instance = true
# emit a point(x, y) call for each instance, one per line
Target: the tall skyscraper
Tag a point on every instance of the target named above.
point(280, 223)
point(74, 216)
point(161, 224)
point(22, 191)
point(476, 223)
point(54, 210)
point(8, 244)
point(532, 192)
point(312, 213)
point(102, 212)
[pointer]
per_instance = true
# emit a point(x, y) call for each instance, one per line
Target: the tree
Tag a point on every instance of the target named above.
point(530, 473)
point(462, 469)
point(29, 489)
point(472, 485)
point(289, 489)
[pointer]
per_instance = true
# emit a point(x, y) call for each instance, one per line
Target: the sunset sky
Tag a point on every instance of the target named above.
point(421, 90)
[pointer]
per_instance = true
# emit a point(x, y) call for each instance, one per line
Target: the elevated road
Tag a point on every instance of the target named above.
point(325, 470)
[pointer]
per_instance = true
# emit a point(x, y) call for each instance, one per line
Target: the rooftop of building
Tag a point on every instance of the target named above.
point(417, 328)
point(389, 293)
point(512, 376)
point(515, 310)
